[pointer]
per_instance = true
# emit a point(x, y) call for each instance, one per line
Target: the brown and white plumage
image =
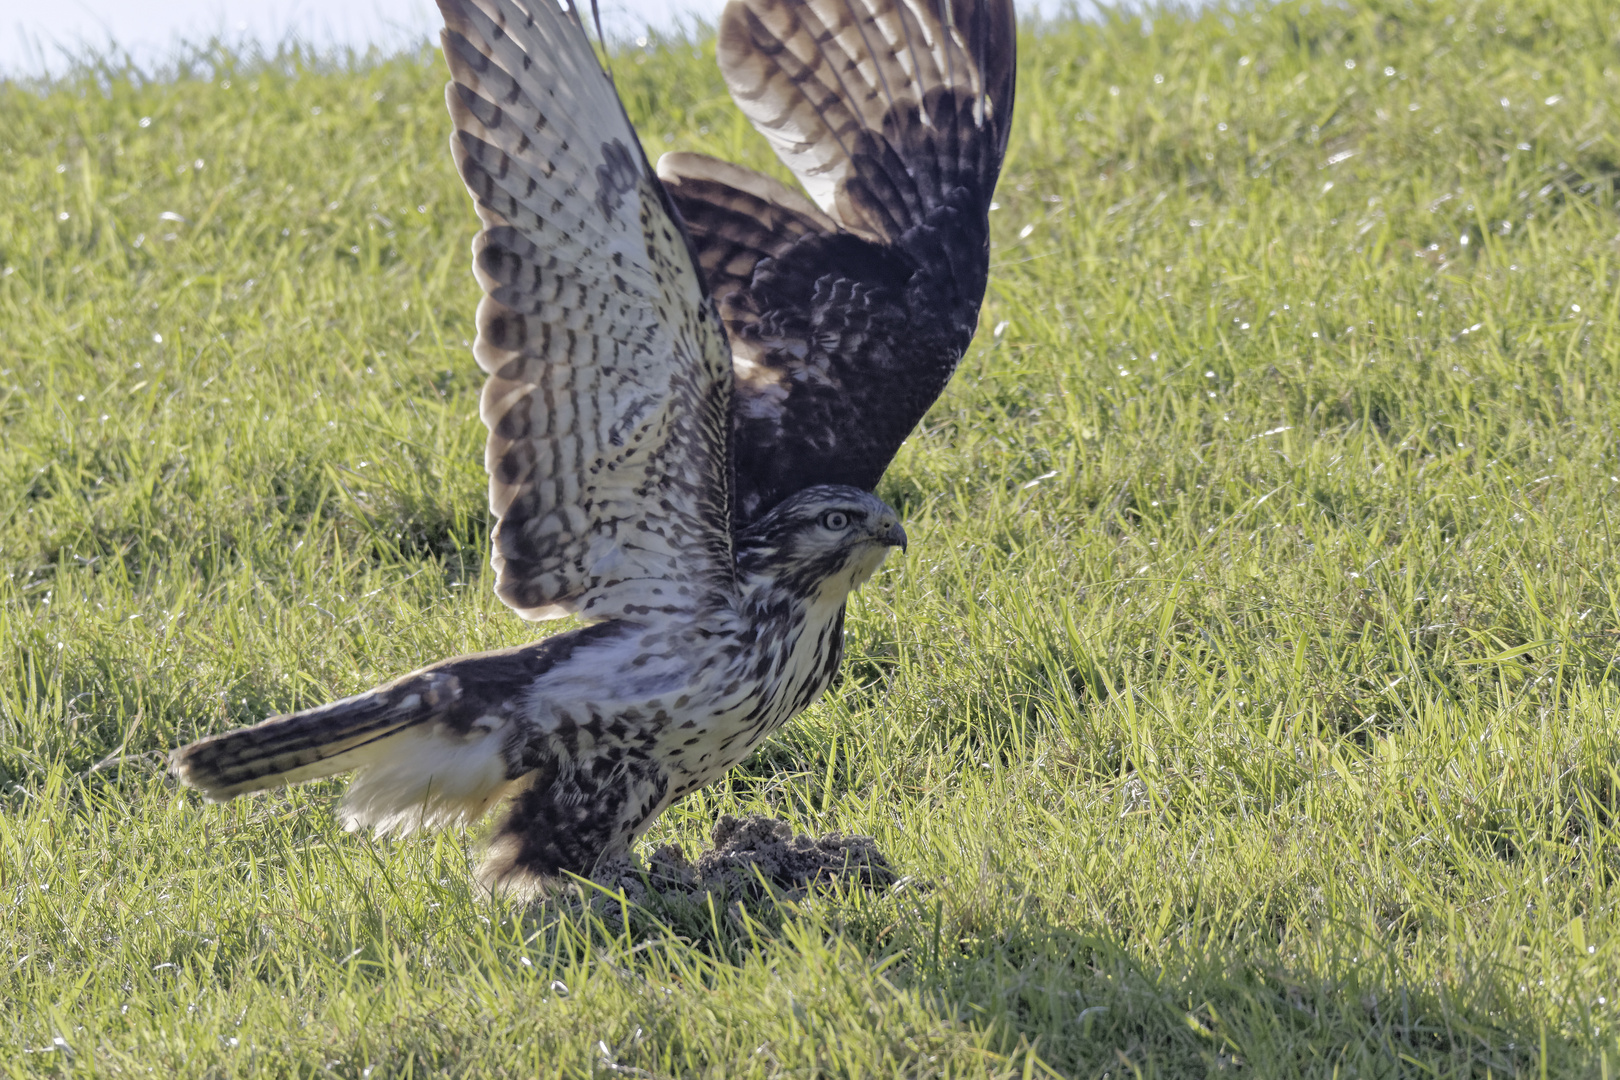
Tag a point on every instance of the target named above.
point(693, 384)
point(609, 377)
point(849, 310)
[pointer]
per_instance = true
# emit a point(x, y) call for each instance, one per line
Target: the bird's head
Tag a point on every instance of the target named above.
point(819, 538)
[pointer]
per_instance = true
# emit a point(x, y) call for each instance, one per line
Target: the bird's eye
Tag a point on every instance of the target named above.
point(836, 520)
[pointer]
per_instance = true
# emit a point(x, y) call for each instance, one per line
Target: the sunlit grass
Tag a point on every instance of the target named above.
point(1245, 704)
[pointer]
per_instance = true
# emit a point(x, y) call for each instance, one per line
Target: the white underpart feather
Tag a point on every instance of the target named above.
point(427, 778)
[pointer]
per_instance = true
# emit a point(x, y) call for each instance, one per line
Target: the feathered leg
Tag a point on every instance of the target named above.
point(570, 817)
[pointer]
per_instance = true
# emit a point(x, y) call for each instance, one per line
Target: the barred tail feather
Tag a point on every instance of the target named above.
point(308, 745)
point(421, 763)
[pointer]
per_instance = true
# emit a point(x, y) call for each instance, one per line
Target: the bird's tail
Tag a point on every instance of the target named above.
point(421, 761)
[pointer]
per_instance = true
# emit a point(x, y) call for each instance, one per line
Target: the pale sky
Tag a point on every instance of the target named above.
point(36, 36)
point(35, 33)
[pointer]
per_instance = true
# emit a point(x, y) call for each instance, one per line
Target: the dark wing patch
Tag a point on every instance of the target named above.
point(742, 216)
point(848, 314)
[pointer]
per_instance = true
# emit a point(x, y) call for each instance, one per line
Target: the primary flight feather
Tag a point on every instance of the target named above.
point(696, 376)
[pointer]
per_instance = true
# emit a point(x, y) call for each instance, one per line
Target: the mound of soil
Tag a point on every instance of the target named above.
point(747, 855)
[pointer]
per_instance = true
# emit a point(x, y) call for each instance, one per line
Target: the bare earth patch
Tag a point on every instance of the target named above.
point(748, 854)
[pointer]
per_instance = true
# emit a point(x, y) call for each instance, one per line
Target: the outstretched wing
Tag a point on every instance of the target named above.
point(609, 374)
point(849, 310)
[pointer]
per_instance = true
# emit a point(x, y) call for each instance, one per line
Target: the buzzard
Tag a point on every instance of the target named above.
point(696, 377)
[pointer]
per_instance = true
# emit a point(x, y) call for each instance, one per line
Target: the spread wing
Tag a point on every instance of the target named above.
point(609, 375)
point(849, 310)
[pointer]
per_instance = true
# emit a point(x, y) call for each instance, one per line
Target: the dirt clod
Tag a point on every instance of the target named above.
point(746, 850)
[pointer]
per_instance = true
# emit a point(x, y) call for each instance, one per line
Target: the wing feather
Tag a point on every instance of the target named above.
point(847, 314)
point(880, 107)
point(738, 218)
point(610, 380)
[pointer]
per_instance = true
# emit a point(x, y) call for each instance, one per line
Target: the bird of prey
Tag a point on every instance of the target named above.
point(696, 378)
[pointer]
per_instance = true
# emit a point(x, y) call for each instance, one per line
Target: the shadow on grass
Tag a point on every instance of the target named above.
point(1093, 1002)
point(1211, 984)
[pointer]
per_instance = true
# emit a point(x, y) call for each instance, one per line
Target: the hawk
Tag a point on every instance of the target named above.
point(696, 377)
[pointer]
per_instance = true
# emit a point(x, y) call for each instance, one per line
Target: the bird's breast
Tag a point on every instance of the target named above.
point(695, 697)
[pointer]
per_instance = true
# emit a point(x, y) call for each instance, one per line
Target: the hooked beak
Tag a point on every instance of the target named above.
point(895, 537)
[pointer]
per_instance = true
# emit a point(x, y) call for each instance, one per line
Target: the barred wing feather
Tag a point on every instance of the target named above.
point(609, 374)
point(849, 310)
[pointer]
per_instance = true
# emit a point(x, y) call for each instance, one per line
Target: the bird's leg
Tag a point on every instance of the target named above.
point(570, 817)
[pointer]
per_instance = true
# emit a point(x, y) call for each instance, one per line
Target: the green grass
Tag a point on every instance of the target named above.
point(1246, 704)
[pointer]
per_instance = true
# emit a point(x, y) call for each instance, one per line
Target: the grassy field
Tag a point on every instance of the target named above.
point(1245, 706)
